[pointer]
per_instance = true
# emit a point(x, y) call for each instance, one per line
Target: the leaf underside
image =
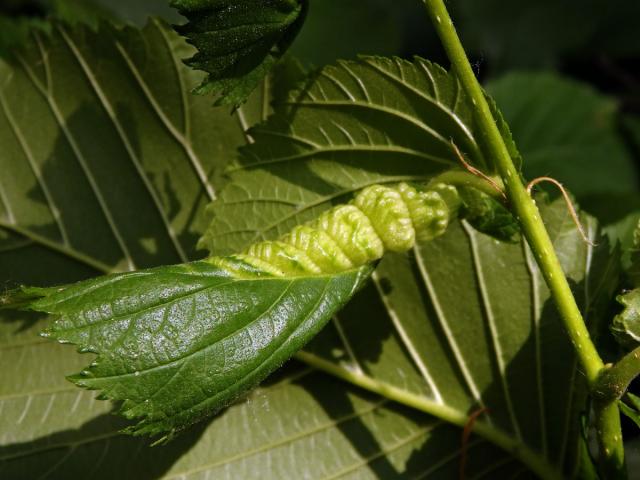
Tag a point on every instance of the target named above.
point(158, 151)
point(49, 428)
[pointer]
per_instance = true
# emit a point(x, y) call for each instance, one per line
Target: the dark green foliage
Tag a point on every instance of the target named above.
point(568, 130)
point(630, 406)
point(626, 325)
point(488, 215)
point(238, 41)
point(176, 344)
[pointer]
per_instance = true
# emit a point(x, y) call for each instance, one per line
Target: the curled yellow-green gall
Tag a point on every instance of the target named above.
point(380, 218)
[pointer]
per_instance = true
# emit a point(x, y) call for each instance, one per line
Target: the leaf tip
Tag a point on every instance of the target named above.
point(21, 298)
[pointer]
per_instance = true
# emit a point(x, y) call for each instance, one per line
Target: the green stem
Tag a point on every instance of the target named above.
point(614, 381)
point(534, 461)
point(610, 445)
point(522, 204)
point(531, 223)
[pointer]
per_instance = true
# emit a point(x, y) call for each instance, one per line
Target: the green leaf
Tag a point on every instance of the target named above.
point(373, 121)
point(630, 407)
point(51, 428)
point(159, 150)
point(566, 130)
point(626, 325)
point(238, 42)
point(544, 112)
point(369, 436)
point(177, 344)
point(462, 323)
point(541, 34)
point(472, 325)
point(432, 321)
point(440, 331)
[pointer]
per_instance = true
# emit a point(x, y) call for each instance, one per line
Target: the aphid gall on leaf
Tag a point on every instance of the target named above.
point(178, 343)
point(380, 218)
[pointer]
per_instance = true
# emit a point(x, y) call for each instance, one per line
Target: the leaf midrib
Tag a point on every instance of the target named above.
point(244, 377)
point(351, 148)
point(161, 365)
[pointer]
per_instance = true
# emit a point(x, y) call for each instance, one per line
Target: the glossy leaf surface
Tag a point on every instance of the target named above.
point(177, 344)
